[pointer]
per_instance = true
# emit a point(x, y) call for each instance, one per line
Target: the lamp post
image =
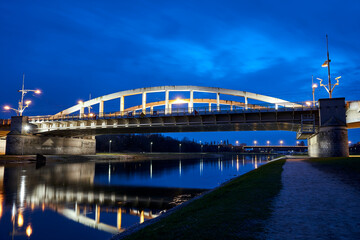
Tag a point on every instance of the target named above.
point(22, 105)
point(268, 143)
point(281, 142)
point(237, 143)
point(110, 141)
point(151, 144)
point(255, 142)
point(179, 147)
point(313, 86)
point(328, 88)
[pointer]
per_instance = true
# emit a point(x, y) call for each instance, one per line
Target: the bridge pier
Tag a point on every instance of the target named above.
point(20, 141)
point(331, 140)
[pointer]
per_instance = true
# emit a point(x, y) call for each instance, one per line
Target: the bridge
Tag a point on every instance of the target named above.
point(72, 130)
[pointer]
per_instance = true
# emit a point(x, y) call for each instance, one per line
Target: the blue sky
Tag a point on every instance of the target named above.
point(70, 49)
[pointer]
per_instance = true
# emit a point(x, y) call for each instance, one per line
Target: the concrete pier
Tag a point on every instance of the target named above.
point(21, 141)
point(31, 144)
point(332, 138)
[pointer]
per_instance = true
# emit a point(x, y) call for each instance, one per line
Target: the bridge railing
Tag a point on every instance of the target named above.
point(139, 113)
point(5, 121)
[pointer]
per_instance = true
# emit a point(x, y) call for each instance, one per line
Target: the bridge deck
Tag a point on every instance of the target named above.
point(288, 119)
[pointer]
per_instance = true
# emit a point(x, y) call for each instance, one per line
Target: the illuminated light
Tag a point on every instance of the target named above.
point(91, 114)
point(43, 206)
point(349, 142)
point(119, 219)
point(1, 210)
point(338, 78)
point(281, 142)
point(32, 206)
point(141, 216)
point(7, 108)
point(325, 64)
point(255, 142)
point(37, 91)
point(179, 101)
point(27, 128)
point(80, 102)
point(27, 102)
point(28, 231)
point(268, 143)
point(314, 85)
point(308, 103)
point(237, 142)
point(22, 190)
point(20, 221)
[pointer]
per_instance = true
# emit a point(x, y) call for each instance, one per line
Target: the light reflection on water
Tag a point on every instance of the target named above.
point(95, 200)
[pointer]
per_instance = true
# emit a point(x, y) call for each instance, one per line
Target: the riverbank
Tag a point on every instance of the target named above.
point(293, 199)
point(237, 208)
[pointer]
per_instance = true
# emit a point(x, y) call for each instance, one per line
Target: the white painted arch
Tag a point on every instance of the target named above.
point(166, 89)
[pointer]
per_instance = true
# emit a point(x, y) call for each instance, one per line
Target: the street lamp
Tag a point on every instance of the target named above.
point(281, 142)
point(328, 88)
point(23, 92)
point(297, 143)
point(314, 85)
point(151, 144)
point(237, 143)
point(255, 142)
point(179, 147)
point(268, 143)
point(110, 141)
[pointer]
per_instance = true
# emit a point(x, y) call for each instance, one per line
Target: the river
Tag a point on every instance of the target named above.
point(97, 199)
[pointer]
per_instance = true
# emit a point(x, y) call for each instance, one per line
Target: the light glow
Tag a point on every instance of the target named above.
point(179, 101)
point(37, 91)
point(314, 85)
point(27, 102)
point(7, 108)
point(80, 102)
point(308, 103)
point(20, 221)
point(28, 231)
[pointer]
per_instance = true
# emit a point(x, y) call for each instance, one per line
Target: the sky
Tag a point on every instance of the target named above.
point(70, 49)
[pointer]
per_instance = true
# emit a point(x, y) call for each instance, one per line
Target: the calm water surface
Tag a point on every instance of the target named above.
point(95, 200)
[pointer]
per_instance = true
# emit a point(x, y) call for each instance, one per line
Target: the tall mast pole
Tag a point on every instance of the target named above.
point(328, 60)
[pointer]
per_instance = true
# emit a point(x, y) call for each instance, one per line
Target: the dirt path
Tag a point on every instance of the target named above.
point(314, 205)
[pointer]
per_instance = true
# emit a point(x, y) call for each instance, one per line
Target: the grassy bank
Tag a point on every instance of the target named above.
point(236, 210)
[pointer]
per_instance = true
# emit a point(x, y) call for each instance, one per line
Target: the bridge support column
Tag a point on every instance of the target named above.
point(122, 104)
point(144, 102)
point(166, 101)
point(332, 138)
point(101, 109)
point(246, 103)
point(191, 104)
point(81, 112)
point(218, 101)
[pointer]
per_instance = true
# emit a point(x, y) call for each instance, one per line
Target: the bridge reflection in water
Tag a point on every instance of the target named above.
point(106, 196)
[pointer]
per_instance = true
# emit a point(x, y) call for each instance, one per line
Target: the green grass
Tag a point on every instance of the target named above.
point(236, 210)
